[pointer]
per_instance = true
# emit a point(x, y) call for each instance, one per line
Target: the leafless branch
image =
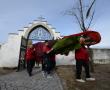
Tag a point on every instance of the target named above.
point(82, 16)
point(89, 9)
point(91, 20)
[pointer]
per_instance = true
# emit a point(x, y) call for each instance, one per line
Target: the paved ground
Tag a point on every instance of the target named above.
point(21, 81)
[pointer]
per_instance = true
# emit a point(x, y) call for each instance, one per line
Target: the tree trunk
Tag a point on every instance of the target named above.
point(91, 62)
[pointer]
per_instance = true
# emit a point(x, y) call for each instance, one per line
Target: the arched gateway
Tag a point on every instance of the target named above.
point(38, 31)
point(14, 50)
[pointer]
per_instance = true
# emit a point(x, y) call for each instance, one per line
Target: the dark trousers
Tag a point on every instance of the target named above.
point(30, 65)
point(53, 64)
point(79, 65)
point(46, 64)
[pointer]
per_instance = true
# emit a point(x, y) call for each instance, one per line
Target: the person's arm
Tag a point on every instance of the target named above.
point(49, 50)
point(90, 43)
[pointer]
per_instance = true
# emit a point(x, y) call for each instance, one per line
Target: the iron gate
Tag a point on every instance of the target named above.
point(22, 63)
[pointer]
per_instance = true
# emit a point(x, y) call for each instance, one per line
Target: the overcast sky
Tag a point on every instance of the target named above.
point(16, 14)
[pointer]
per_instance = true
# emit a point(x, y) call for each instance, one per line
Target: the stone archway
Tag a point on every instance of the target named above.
point(40, 26)
point(39, 31)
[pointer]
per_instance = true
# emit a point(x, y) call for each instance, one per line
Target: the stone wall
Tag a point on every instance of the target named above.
point(9, 52)
point(9, 56)
point(99, 56)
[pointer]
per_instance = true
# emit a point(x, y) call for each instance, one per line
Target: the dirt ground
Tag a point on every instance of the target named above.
point(4, 71)
point(101, 73)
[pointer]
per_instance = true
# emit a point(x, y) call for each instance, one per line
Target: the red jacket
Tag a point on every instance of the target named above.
point(29, 54)
point(39, 51)
point(38, 48)
point(46, 48)
point(82, 54)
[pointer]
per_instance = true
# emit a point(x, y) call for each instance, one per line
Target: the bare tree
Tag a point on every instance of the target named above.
point(83, 11)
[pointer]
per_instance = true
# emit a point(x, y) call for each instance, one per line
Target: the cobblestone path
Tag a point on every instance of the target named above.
point(21, 81)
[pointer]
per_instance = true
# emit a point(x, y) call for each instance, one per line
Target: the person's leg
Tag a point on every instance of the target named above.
point(87, 71)
point(29, 67)
point(53, 64)
point(32, 63)
point(37, 61)
point(43, 65)
point(86, 67)
point(78, 69)
point(49, 67)
point(43, 68)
